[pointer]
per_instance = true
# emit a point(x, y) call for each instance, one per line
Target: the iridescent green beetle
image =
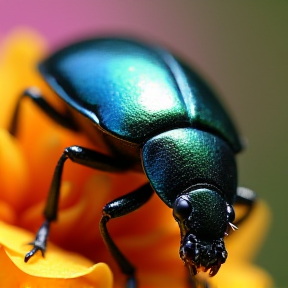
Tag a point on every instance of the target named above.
point(157, 116)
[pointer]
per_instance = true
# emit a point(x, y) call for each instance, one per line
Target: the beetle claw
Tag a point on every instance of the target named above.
point(33, 251)
point(192, 269)
point(39, 244)
point(214, 270)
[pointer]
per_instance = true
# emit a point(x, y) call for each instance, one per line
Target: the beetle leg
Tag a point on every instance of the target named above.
point(39, 244)
point(245, 197)
point(196, 283)
point(35, 95)
point(117, 208)
point(78, 155)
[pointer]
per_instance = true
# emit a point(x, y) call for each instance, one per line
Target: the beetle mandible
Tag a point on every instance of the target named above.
point(159, 117)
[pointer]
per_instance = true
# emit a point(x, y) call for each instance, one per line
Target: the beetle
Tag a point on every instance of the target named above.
point(157, 116)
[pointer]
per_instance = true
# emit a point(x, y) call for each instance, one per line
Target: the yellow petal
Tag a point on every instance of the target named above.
point(238, 271)
point(244, 243)
point(58, 269)
point(241, 274)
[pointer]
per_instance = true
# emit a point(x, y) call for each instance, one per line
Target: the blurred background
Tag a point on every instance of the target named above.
point(241, 48)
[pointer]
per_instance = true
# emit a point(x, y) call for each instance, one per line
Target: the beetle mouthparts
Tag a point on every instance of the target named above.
point(194, 270)
point(201, 255)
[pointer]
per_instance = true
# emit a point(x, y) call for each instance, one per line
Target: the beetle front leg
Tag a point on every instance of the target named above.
point(78, 155)
point(50, 212)
point(117, 208)
point(39, 244)
point(247, 198)
point(193, 283)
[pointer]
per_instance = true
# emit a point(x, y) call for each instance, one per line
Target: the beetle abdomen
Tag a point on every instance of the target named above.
point(134, 91)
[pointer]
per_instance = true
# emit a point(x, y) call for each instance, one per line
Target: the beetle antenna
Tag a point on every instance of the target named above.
point(234, 227)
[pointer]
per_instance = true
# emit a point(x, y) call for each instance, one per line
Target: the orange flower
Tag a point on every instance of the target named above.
point(149, 236)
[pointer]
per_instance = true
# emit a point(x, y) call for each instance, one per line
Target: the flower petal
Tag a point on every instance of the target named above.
point(13, 171)
point(238, 271)
point(56, 269)
point(250, 234)
point(20, 52)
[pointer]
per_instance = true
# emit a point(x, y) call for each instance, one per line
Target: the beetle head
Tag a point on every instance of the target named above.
point(203, 217)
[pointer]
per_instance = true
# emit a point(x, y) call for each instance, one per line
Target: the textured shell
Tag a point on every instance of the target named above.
point(135, 91)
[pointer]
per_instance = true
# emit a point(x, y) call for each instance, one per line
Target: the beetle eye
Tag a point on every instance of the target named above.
point(230, 213)
point(181, 209)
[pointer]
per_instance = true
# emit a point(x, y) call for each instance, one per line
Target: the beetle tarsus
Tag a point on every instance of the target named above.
point(40, 241)
point(197, 283)
point(32, 252)
point(131, 282)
